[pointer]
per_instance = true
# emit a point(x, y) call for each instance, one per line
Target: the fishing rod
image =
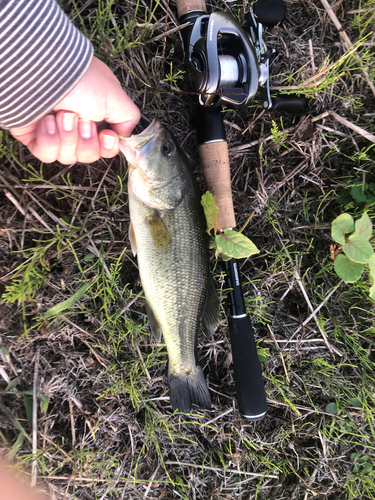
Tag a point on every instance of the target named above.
point(226, 65)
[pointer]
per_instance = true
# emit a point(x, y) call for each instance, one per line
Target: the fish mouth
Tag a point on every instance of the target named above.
point(132, 146)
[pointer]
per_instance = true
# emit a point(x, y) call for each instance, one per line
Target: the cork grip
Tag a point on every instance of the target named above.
point(185, 6)
point(215, 160)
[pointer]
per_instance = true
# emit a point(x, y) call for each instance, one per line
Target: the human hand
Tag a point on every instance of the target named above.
point(69, 132)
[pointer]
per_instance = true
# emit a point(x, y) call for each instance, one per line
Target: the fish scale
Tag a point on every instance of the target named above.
point(168, 236)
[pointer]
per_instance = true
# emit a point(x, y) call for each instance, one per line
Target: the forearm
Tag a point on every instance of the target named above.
point(42, 57)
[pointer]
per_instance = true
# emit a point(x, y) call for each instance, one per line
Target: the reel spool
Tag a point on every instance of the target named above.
point(222, 64)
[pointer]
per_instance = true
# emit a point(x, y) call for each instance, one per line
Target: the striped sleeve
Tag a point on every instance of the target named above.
point(42, 57)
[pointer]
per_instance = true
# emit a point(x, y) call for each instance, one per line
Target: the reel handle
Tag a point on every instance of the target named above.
point(186, 6)
point(213, 153)
point(289, 103)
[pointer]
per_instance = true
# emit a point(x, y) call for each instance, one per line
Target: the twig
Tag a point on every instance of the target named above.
point(169, 32)
point(299, 280)
point(319, 126)
point(216, 469)
point(83, 340)
point(99, 187)
point(142, 361)
point(35, 417)
point(15, 202)
point(280, 352)
point(50, 187)
point(131, 302)
point(345, 122)
point(219, 416)
point(317, 309)
point(4, 374)
point(291, 174)
point(50, 214)
point(347, 41)
point(72, 422)
point(247, 222)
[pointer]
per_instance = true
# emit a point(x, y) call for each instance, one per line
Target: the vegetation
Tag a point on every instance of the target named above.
point(73, 316)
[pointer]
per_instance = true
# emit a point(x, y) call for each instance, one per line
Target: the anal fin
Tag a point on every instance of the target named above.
point(154, 325)
point(211, 314)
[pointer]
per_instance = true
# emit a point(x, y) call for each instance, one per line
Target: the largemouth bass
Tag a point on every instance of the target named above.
point(167, 234)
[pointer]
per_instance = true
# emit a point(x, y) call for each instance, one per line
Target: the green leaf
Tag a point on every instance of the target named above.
point(224, 256)
point(348, 270)
point(356, 469)
point(353, 456)
point(68, 303)
point(355, 402)
point(210, 211)
point(344, 198)
point(342, 225)
point(4, 350)
point(357, 193)
point(45, 402)
point(17, 445)
point(234, 244)
point(358, 249)
point(371, 263)
point(263, 355)
point(89, 257)
point(12, 383)
point(332, 409)
point(363, 227)
point(29, 409)
point(372, 291)
point(367, 468)
point(363, 459)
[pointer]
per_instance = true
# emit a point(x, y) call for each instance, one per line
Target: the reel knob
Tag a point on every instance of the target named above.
point(270, 12)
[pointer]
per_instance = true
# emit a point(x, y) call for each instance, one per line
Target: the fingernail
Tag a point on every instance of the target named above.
point(50, 124)
point(85, 129)
point(68, 121)
point(108, 141)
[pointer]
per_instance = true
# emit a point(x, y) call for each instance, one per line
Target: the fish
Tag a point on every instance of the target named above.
point(168, 235)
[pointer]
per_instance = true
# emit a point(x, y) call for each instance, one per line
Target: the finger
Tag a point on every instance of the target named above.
point(26, 135)
point(67, 125)
point(132, 113)
point(108, 141)
point(46, 144)
point(88, 149)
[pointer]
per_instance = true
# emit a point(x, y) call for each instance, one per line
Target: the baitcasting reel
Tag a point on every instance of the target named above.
point(226, 64)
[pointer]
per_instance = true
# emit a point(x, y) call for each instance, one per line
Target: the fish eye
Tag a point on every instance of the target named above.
point(167, 149)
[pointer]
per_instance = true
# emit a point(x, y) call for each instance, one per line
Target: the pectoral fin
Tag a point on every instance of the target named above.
point(133, 242)
point(158, 231)
point(154, 325)
point(211, 314)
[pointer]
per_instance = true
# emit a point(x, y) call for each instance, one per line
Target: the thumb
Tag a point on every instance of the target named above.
point(123, 115)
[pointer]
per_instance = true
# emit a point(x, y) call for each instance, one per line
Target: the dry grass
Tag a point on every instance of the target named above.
point(108, 430)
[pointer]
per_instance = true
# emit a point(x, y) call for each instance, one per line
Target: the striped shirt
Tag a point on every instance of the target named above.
point(42, 57)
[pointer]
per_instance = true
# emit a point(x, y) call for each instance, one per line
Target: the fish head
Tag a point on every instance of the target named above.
point(155, 166)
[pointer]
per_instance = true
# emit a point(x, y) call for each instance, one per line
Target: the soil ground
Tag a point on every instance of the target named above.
point(104, 427)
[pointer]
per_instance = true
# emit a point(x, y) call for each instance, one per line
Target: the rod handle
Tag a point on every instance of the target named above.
point(215, 161)
point(251, 396)
point(186, 6)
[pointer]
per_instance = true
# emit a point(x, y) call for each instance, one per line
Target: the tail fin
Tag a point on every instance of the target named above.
point(186, 389)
